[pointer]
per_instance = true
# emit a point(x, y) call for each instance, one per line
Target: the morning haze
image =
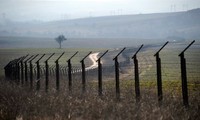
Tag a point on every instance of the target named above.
point(33, 21)
point(49, 10)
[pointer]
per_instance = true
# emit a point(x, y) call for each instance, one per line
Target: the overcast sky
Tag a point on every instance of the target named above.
point(48, 10)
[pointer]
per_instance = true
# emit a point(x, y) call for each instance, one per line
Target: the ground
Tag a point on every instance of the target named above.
point(20, 102)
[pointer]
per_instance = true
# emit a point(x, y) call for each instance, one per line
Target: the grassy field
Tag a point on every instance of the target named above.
point(7, 55)
point(20, 102)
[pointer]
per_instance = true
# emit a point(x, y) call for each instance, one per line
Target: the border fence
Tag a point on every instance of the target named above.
point(23, 70)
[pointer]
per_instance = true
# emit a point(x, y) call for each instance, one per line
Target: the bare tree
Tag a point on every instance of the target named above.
point(60, 39)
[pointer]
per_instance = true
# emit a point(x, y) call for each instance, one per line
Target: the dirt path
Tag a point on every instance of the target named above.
point(93, 57)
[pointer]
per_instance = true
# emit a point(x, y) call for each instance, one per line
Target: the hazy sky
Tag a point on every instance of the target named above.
point(47, 10)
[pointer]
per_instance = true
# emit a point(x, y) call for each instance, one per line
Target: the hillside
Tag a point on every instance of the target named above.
point(184, 25)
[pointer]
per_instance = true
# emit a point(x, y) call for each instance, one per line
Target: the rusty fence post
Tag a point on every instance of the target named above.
point(184, 76)
point(14, 69)
point(31, 71)
point(18, 69)
point(159, 74)
point(26, 69)
point(47, 73)
point(38, 72)
point(117, 74)
point(70, 71)
point(58, 72)
point(83, 72)
point(22, 69)
point(8, 70)
point(137, 82)
point(100, 73)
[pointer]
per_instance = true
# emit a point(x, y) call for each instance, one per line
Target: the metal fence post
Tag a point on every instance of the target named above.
point(18, 69)
point(22, 69)
point(83, 72)
point(117, 74)
point(69, 74)
point(31, 74)
point(10, 67)
point(14, 70)
point(137, 82)
point(57, 72)
point(7, 70)
point(38, 72)
point(70, 71)
point(47, 73)
point(26, 68)
point(14, 76)
point(31, 71)
point(184, 76)
point(100, 73)
point(159, 74)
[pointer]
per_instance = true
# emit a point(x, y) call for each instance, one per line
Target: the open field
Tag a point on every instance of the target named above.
point(7, 55)
point(45, 42)
point(22, 103)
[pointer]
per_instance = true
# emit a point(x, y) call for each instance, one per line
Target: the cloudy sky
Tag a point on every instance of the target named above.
point(48, 10)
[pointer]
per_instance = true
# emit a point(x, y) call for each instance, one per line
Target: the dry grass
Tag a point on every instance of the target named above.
point(17, 102)
point(21, 103)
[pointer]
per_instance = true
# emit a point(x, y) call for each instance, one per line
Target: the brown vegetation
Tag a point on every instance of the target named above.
point(18, 102)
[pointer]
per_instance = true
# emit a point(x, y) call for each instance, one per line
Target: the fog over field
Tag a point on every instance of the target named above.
point(97, 23)
point(106, 31)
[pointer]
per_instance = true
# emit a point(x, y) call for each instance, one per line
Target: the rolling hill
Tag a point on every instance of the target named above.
point(182, 25)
